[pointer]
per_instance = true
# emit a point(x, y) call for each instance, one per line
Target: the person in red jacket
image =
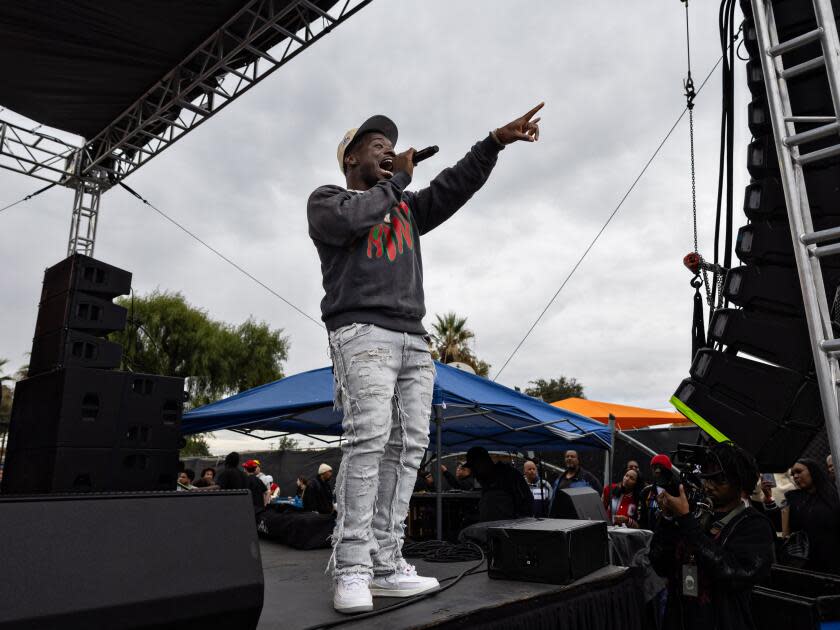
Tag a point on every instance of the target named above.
point(622, 500)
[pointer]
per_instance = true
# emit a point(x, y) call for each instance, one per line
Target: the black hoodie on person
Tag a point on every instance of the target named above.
point(369, 242)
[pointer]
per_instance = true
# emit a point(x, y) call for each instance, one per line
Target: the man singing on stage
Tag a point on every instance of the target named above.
point(368, 240)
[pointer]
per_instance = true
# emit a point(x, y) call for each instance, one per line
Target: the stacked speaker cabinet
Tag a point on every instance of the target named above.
point(755, 386)
point(78, 424)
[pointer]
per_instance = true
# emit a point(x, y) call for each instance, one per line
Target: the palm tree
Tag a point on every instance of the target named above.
point(451, 338)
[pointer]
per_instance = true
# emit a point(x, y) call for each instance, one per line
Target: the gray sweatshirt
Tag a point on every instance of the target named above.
point(369, 242)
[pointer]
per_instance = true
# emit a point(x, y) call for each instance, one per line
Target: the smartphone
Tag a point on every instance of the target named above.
point(769, 478)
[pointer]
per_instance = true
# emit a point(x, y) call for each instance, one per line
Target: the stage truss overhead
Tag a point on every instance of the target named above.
point(258, 38)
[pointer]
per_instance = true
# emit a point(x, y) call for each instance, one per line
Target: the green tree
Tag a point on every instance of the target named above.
point(451, 342)
point(555, 389)
point(166, 335)
point(285, 443)
point(196, 446)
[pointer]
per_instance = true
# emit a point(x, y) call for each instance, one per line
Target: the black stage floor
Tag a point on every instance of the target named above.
point(298, 594)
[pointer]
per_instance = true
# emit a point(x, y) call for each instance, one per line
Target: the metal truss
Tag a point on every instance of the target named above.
point(85, 215)
point(36, 154)
point(226, 65)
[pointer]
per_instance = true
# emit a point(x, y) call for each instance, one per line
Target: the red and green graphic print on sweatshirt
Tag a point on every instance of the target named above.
point(369, 242)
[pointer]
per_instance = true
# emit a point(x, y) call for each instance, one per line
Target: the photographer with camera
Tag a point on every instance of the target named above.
point(714, 558)
point(663, 476)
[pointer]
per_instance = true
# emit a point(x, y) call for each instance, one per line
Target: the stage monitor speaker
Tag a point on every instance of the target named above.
point(578, 503)
point(775, 338)
point(82, 407)
point(68, 469)
point(806, 600)
point(186, 560)
point(555, 551)
point(84, 274)
point(72, 348)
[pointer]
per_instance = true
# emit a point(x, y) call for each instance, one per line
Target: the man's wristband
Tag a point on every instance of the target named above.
point(495, 137)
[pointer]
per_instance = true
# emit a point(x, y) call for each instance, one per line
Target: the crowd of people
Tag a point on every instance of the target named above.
point(807, 520)
point(314, 496)
point(710, 561)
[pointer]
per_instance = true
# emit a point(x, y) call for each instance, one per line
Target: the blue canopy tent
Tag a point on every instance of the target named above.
point(468, 410)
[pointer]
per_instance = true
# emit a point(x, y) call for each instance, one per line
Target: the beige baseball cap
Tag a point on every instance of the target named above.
point(380, 123)
point(324, 468)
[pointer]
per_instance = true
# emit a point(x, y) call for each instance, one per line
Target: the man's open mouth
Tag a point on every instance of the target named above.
point(387, 164)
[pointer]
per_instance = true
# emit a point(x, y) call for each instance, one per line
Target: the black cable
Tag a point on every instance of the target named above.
point(724, 210)
point(730, 139)
point(441, 551)
point(604, 227)
point(221, 255)
point(28, 197)
point(473, 570)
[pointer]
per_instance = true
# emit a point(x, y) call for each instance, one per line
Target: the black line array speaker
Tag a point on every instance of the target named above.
point(130, 560)
point(75, 312)
point(77, 424)
point(755, 383)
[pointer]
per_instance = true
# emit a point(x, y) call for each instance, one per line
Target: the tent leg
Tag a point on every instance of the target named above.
point(438, 475)
point(610, 454)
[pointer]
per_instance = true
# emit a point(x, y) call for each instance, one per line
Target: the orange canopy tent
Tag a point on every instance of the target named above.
point(626, 417)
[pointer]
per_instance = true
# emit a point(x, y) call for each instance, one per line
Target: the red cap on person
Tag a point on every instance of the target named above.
point(251, 463)
point(661, 459)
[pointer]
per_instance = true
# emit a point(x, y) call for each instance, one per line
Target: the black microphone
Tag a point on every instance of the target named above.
point(423, 154)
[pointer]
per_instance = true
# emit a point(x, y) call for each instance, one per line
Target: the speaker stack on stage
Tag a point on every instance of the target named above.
point(78, 424)
point(92, 531)
point(772, 406)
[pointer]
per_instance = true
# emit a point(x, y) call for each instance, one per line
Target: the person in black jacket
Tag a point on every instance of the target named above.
point(711, 563)
point(504, 492)
point(813, 509)
point(318, 496)
point(232, 478)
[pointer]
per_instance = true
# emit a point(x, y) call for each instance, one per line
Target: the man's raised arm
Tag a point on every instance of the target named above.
point(454, 186)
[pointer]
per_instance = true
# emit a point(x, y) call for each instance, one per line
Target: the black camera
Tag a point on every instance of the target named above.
point(690, 459)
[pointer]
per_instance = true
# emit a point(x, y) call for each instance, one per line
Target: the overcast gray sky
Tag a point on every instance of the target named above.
point(446, 72)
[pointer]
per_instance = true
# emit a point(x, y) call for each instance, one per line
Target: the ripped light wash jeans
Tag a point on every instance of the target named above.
point(383, 383)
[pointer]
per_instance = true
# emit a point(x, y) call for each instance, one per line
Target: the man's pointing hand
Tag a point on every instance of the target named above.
point(523, 128)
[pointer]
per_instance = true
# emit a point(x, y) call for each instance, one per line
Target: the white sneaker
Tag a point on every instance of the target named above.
point(403, 583)
point(352, 593)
